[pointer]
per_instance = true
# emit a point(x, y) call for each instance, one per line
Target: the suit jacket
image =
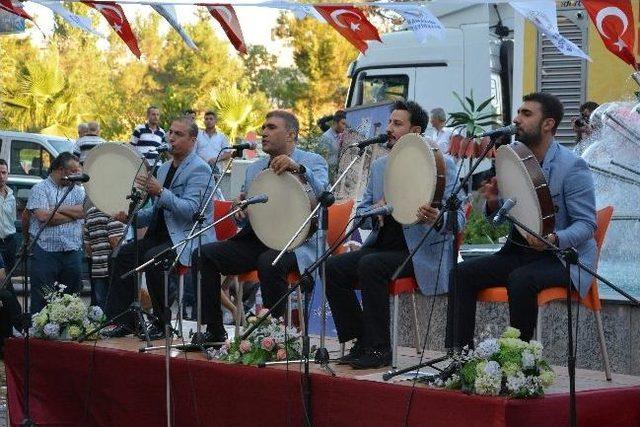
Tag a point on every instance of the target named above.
point(181, 201)
point(317, 175)
point(573, 193)
point(432, 262)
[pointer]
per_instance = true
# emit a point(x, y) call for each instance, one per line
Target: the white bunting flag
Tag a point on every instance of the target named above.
point(168, 12)
point(81, 22)
point(299, 10)
point(419, 19)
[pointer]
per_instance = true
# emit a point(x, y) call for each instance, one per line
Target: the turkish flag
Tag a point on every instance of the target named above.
point(226, 16)
point(9, 7)
point(614, 21)
point(114, 15)
point(351, 23)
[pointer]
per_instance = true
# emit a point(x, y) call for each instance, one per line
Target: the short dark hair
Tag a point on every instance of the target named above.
point(151, 107)
point(339, 115)
point(417, 115)
point(62, 161)
point(551, 106)
point(3, 162)
point(589, 105)
point(290, 120)
point(190, 111)
point(192, 127)
point(211, 113)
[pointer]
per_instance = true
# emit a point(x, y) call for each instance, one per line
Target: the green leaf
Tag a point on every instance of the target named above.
point(486, 116)
point(484, 104)
point(471, 103)
point(462, 103)
point(492, 122)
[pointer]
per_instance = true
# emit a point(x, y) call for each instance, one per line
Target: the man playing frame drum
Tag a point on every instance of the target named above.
point(522, 263)
point(371, 267)
point(245, 251)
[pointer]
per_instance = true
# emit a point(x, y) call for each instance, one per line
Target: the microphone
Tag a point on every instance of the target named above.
point(243, 146)
point(382, 210)
point(163, 148)
point(506, 130)
point(77, 177)
point(258, 198)
point(500, 217)
point(380, 139)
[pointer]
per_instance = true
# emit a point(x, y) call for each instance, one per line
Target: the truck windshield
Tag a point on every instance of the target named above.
point(376, 89)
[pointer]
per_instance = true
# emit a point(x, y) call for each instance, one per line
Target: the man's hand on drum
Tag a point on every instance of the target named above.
point(537, 245)
point(150, 184)
point(427, 214)
point(489, 191)
point(283, 163)
point(240, 215)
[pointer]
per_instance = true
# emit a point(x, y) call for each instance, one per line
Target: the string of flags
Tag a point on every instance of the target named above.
point(612, 18)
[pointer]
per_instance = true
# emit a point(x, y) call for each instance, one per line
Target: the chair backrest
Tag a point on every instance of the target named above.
point(339, 214)
point(227, 228)
point(603, 219)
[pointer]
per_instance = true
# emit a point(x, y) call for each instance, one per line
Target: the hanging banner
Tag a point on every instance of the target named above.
point(168, 12)
point(615, 24)
point(81, 22)
point(226, 16)
point(10, 23)
point(115, 16)
point(8, 6)
point(420, 20)
point(299, 10)
point(351, 23)
point(542, 14)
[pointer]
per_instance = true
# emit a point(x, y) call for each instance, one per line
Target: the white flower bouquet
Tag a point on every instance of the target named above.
point(506, 366)
point(65, 317)
point(272, 340)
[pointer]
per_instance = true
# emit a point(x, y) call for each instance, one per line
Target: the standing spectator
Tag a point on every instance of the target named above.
point(149, 136)
point(90, 139)
point(101, 236)
point(57, 255)
point(82, 130)
point(191, 113)
point(211, 142)
point(332, 138)
point(7, 218)
point(441, 135)
point(581, 125)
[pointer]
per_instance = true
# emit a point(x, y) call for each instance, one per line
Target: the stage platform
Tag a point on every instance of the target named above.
point(110, 383)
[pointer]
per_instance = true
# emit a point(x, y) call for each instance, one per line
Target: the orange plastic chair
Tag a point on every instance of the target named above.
point(591, 300)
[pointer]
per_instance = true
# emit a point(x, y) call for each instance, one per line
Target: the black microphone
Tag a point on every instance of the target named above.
point(500, 217)
point(380, 139)
point(382, 210)
point(163, 148)
point(243, 146)
point(258, 198)
point(507, 130)
point(77, 177)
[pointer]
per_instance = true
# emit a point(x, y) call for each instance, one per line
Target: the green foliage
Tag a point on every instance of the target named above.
point(478, 230)
point(471, 120)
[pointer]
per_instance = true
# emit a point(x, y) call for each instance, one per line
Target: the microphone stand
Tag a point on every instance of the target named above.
point(26, 315)
point(570, 256)
point(452, 205)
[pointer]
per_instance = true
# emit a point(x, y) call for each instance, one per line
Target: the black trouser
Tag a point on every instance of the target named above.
point(242, 253)
point(524, 273)
point(122, 292)
point(368, 269)
point(8, 251)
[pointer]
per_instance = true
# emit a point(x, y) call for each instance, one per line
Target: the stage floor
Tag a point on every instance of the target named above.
point(108, 382)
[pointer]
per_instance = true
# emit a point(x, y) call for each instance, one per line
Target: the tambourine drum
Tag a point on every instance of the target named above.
point(415, 175)
point(520, 179)
point(290, 203)
point(112, 168)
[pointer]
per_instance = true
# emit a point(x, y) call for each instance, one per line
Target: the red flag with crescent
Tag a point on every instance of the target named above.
point(115, 16)
point(615, 23)
point(226, 16)
point(351, 23)
point(8, 6)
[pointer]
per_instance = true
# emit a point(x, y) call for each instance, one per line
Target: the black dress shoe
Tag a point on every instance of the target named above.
point(355, 353)
point(373, 358)
point(117, 332)
point(208, 337)
point(156, 332)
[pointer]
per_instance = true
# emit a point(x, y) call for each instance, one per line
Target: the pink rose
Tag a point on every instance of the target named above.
point(245, 346)
point(263, 312)
point(268, 343)
point(282, 354)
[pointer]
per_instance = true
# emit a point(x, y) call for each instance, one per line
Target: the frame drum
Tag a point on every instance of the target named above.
point(290, 203)
point(112, 168)
point(415, 175)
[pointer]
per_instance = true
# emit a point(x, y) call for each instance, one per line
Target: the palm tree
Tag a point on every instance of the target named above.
point(238, 112)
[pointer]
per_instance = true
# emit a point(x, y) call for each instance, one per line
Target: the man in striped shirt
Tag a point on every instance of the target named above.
point(90, 139)
point(149, 136)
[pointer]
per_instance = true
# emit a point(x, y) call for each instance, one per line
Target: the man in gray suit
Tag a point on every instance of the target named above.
point(523, 263)
point(177, 193)
point(245, 252)
point(386, 248)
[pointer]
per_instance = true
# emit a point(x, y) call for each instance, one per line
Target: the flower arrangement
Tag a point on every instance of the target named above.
point(272, 340)
point(65, 317)
point(506, 366)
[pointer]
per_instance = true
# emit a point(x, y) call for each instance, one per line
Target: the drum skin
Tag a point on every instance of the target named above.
point(414, 176)
point(112, 168)
point(290, 203)
point(520, 178)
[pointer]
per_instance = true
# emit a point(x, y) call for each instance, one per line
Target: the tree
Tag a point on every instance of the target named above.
point(238, 112)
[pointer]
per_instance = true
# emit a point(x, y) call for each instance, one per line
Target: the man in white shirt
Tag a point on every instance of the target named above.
point(90, 139)
point(440, 134)
point(7, 218)
point(210, 142)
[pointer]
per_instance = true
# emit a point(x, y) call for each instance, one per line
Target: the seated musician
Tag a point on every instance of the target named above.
point(523, 264)
point(245, 252)
point(371, 267)
point(177, 194)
